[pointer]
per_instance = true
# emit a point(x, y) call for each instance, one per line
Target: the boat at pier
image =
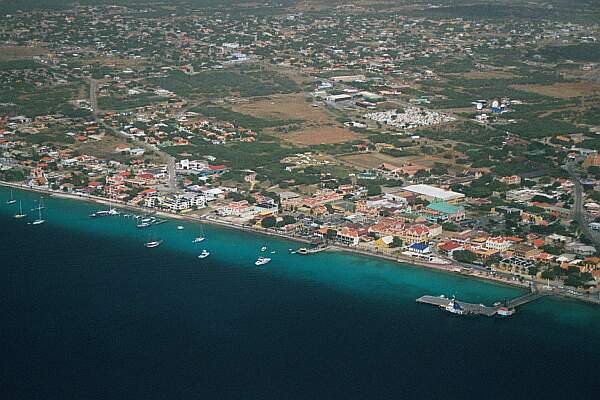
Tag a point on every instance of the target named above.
point(454, 308)
point(504, 312)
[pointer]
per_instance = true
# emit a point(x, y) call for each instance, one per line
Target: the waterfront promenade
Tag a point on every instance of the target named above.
point(395, 257)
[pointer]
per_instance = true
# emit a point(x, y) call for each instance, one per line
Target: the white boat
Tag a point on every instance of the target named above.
point(505, 312)
point(262, 261)
point(111, 212)
point(12, 199)
point(20, 214)
point(39, 221)
point(454, 308)
point(205, 253)
point(264, 248)
point(198, 239)
point(180, 227)
point(144, 225)
point(152, 244)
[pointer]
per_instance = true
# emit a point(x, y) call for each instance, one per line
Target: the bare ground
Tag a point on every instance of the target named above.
point(562, 90)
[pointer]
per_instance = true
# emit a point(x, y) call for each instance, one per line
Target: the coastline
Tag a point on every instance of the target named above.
point(447, 268)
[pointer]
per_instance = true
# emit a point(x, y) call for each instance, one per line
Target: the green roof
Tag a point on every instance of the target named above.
point(445, 208)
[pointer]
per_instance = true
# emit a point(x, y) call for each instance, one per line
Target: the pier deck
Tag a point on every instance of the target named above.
point(480, 309)
point(469, 308)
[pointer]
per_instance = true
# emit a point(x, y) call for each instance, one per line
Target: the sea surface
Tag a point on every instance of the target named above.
point(86, 312)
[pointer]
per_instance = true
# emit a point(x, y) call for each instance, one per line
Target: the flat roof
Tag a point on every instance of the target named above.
point(434, 192)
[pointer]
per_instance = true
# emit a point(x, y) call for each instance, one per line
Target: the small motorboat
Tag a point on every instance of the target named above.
point(205, 253)
point(262, 261)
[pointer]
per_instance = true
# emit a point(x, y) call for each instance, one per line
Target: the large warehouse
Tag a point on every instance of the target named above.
point(434, 194)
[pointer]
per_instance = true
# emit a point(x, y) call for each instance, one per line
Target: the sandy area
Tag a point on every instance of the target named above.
point(321, 135)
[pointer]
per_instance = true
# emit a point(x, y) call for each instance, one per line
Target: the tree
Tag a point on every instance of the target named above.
point(331, 233)
point(14, 175)
point(493, 260)
point(396, 242)
point(533, 270)
point(268, 222)
point(288, 219)
point(464, 256)
point(373, 190)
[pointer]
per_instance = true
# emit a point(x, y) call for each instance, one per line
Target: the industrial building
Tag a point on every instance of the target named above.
point(435, 194)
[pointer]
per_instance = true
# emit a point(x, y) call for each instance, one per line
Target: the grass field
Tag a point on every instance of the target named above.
point(562, 90)
point(9, 53)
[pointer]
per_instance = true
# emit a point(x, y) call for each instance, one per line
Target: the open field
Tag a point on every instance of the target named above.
point(486, 75)
point(105, 148)
point(291, 106)
point(320, 135)
point(9, 53)
point(317, 126)
point(562, 90)
point(374, 160)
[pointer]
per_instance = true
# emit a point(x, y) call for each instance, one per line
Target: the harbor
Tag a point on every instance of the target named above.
point(503, 309)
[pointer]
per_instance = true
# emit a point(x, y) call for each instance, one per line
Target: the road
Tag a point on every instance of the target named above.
point(578, 212)
point(165, 157)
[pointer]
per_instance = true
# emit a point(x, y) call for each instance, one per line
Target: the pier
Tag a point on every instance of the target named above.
point(477, 309)
point(305, 251)
point(480, 309)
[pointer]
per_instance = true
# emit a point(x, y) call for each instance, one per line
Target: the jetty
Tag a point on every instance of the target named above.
point(480, 309)
point(305, 251)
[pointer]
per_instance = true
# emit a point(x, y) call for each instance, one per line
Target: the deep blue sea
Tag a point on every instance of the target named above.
point(86, 312)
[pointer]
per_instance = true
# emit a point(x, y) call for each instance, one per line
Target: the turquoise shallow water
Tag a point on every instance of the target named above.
point(88, 312)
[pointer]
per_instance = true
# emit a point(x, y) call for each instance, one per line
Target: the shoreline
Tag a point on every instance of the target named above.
point(446, 268)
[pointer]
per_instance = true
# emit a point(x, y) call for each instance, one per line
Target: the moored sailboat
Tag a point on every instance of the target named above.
point(40, 220)
point(20, 214)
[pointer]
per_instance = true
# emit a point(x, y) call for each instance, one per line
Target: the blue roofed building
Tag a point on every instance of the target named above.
point(420, 248)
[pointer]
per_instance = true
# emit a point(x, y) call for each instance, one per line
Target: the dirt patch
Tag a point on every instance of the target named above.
point(374, 160)
point(562, 90)
point(320, 135)
point(486, 75)
point(293, 106)
point(9, 53)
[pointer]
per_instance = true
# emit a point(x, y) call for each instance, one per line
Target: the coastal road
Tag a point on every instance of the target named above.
point(165, 157)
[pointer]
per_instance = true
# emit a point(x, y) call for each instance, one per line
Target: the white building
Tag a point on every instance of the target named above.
point(432, 193)
point(498, 243)
point(192, 165)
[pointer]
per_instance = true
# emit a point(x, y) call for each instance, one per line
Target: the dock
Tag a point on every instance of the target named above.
point(474, 309)
point(480, 309)
point(305, 251)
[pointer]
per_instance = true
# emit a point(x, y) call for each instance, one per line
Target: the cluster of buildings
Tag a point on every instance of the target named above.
point(410, 118)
